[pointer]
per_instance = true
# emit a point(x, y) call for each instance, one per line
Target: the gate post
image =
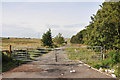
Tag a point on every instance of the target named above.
point(55, 55)
point(10, 50)
point(104, 53)
point(26, 54)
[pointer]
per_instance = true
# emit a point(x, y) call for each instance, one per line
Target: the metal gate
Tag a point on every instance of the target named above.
point(62, 54)
point(29, 53)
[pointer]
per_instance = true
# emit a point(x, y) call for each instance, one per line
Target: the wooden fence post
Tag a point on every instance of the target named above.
point(10, 50)
point(104, 53)
point(55, 55)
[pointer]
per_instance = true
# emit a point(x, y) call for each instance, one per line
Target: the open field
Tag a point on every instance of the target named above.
point(8, 63)
point(19, 42)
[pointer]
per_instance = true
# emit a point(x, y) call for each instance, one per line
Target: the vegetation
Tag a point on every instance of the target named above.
point(104, 28)
point(9, 63)
point(59, 39)
point(47, 39)
point(112, 58)
point(19, 42)
point(97, 66)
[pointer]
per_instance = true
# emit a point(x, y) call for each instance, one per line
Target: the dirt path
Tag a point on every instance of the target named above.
point(47, 67)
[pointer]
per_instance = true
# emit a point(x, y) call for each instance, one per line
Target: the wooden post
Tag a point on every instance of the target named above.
point(10, 51)
point(55, 55)
point(104, 53)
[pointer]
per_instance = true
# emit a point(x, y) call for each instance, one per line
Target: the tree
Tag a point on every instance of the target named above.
point(59, 39)
point(47, 39)
point(104, 28)
point(78, 38)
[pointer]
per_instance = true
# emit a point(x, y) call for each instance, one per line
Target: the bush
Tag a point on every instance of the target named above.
point(59, 39)
point(105, 62)
point(112, 59)
point(103, 69)
point(97, 66)
point(8, 63)
point(117, 71)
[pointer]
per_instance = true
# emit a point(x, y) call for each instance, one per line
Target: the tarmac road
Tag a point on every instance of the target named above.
point(47, 67)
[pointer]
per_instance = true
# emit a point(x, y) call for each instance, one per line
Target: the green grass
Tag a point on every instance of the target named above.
point(8, 63)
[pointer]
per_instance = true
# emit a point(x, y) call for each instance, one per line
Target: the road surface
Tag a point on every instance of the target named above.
point(47, 67)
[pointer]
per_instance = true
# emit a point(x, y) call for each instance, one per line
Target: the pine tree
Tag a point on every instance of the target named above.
point(47, 39)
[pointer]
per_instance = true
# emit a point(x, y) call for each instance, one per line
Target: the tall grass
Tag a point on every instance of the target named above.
point(19, 42)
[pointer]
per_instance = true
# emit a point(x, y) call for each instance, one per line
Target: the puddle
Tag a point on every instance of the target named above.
point(53, 70)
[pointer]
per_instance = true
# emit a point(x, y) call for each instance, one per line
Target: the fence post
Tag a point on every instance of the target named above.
point(10, 51)
point(27, 54)
point(55, 55)
point(104, 53)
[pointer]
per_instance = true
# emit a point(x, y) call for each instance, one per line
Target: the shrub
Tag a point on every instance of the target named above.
point(97, 66)
point(8, 63)
point(103, 69)
point(117, 71)
point(112, 59)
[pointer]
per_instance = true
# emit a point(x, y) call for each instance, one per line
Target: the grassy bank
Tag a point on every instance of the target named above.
point(9, 63)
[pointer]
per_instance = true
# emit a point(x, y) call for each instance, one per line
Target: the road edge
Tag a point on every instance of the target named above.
point(96, 69)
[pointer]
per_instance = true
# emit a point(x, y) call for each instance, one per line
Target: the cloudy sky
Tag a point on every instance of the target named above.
point(32, 19)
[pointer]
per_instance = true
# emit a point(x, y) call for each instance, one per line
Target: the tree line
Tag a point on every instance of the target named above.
point(103, 29)
point(47, 39)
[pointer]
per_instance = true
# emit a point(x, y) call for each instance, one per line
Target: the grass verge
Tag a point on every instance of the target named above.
point(8, 63)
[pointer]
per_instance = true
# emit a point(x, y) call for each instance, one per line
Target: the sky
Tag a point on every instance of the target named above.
point(32, 19)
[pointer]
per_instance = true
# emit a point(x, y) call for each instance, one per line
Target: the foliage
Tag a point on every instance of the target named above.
point(59, 39)
point(8, 63)
point(113, 57)
point(78, 38)
point(117, 71)
point(97, 66)
point(103, 69)
point(104, 28)
point(47, 39)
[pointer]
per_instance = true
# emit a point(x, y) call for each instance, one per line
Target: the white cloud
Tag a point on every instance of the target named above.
point(16, 30)
point(29, 19)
